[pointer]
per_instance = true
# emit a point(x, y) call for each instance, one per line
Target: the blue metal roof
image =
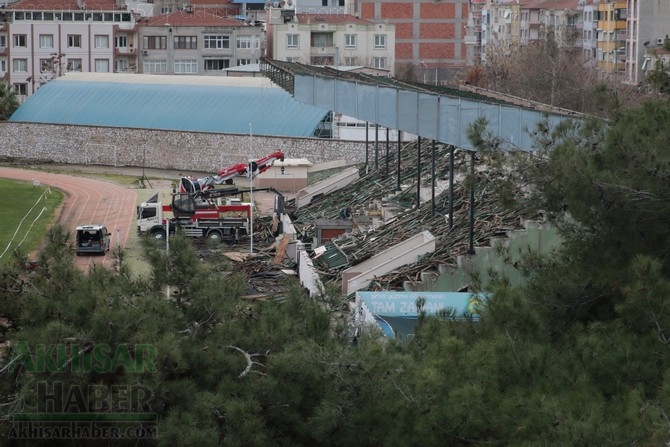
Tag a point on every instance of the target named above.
point(212, 107)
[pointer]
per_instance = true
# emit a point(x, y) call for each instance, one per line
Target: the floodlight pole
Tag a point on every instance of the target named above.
point(144, 163)
point(167, 256)
point(251, 194)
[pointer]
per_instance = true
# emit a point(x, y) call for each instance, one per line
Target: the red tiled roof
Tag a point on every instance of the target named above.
point(331, 18)
point(197, 17)
point(64, 5)
point(212, 2)
point(551, 4)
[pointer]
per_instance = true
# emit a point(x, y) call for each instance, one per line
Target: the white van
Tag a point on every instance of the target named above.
point(93, 239)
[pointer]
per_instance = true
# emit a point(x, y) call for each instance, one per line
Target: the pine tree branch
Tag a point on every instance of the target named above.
point(249, 359)
point(2, 371)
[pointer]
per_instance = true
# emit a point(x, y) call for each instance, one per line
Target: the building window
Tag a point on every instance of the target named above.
point(3, 41)
point(155, 66)
point(102, 65)
point(20, 41)
point(74, 64)
point(166, 9)
point(186, 66)
point(379, 62)
point(292, 40)
point(350, 40)
point(243, 62)
point(324, 2)
point(121, 41)
point(46, 65)
point(74, 41)
point(217, 42)
point(3, 65)
point(46, 41)
point(350, 61)
point(216, 64)
point(244, 42)
point(101, 41)
point(155, 42)
point(322, 39)
point(380, 40)
point(121, 65)
point(185, 42)
point(322, 60)
point(20, 65)
point(21, 89)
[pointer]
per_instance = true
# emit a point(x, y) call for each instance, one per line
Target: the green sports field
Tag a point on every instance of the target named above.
point(26, 213)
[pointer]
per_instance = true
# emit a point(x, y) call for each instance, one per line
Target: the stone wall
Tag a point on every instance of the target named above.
point(161, 149)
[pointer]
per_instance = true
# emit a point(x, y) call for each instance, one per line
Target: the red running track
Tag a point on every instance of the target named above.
point(88, 201)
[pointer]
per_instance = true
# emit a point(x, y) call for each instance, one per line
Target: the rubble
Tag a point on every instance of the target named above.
point(392, 216)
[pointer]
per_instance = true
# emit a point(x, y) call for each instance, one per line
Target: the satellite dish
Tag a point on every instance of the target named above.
point(275, 4)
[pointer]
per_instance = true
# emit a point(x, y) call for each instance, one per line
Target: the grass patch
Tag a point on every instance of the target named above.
point(27, 213)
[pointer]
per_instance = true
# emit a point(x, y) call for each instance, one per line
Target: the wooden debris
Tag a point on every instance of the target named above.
point(490, 217)
point(281, 249)
point(236, 256)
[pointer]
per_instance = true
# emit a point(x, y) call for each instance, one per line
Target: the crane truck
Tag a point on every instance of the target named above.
point(198, 215)
point(194, 217)
point(193, 185)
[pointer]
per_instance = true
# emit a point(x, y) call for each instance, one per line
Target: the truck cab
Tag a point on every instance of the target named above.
point(93, 239)
point(150, 219)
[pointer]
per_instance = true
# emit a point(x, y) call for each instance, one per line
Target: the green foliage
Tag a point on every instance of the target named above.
point(576, 356)
point(9, 102)
point(659, 78)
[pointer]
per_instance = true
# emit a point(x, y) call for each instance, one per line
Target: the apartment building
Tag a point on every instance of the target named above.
point(612, 33)
point(648, 26)
point(41, 39)
point(501, 27)
point(473, 31)
point(331, 39)
point(589, 27)
point(522, 22)
point(195, 41)
point(430, 35)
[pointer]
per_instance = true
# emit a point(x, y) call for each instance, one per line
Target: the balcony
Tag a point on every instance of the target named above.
point(124, 51)
point(472, 40)
point(322, 51)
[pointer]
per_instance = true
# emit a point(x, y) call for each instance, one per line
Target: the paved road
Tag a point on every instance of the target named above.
point(88, 201)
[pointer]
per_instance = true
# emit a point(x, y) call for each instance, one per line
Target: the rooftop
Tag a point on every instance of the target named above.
point(217, 104)
point(63, 5)
point(195, 17)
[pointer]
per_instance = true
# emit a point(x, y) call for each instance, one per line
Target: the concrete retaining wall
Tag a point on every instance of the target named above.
point(161, 149)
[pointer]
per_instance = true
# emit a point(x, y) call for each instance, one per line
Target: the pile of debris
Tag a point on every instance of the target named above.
point(376, 187)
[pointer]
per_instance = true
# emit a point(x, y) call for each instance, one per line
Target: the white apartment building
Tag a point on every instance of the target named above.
point(509, 22)
point(40, 40)
point(198, 41)
point(589, 25)
point(331, 39)
point(648, 26)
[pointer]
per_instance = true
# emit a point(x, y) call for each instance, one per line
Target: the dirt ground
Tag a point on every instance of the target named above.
point(93, 195)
